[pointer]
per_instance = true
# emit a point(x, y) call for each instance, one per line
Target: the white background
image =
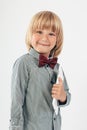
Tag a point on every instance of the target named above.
point(14, 18)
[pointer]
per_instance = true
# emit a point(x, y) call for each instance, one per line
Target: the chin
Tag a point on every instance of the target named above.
point(42, 52)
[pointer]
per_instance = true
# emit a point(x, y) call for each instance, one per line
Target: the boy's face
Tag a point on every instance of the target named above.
point(43, 41)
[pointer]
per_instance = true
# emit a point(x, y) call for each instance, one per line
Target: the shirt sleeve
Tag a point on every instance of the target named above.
point(19, 83)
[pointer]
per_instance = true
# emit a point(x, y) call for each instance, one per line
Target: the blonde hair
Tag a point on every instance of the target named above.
point(46, 20)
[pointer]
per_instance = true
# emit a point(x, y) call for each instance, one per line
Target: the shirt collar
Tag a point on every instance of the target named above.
point(34, 53)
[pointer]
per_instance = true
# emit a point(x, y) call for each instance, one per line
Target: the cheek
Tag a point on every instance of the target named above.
point(34, 38)
point(53, 42)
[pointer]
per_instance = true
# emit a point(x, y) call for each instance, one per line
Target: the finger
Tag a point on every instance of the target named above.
point(55, 96)
point(55, 89)
point(56, 92)
point(57, 86)
point(53, 92)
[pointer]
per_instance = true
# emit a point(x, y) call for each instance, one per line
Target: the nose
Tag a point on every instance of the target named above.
point(44, 37)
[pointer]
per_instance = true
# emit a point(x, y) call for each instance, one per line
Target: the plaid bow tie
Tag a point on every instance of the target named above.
point(43, 61)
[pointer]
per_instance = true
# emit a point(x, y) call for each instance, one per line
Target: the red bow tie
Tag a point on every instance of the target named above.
point(44, 61)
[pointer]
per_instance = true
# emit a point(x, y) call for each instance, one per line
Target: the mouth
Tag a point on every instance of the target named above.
point(44, 44)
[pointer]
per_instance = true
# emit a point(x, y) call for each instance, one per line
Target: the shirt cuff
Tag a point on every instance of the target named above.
point(62, 103)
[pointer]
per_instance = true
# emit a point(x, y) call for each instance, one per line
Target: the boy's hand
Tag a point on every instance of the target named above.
point(58, 91)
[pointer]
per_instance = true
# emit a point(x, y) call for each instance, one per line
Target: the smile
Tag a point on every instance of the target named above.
point(42, 44)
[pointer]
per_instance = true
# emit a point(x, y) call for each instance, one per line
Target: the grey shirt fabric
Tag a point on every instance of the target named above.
point(31, 100)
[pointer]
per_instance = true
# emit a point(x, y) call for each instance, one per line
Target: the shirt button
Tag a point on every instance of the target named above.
point(13, 123)
point(54, 118)
point(46, 65)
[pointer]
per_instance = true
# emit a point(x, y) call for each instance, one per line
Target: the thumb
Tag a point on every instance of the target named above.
point(60, 80)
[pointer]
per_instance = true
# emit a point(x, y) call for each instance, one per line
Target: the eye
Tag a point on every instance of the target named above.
point(52, 34)
point(39, 32)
